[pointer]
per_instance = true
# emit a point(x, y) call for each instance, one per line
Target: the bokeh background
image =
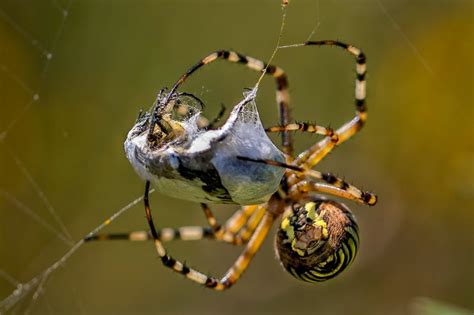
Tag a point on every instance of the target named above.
point(96, 66)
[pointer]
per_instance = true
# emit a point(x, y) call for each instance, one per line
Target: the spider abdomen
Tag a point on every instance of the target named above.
point(316, 241)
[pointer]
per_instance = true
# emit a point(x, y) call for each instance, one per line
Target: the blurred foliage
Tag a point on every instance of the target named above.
point(425, 306)
point(111, 58)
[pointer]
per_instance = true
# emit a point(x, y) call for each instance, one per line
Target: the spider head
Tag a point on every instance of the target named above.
point(317, 240)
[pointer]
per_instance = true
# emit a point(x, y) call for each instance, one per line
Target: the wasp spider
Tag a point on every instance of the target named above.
point(317, 237)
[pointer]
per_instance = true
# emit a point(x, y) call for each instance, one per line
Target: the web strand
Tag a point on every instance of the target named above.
point(318, 23)
point(36, 283)
point(42, 196)
point(280, 35)
point(17, 80)
point(59, 6)
point(5, 275)
point(47, 53)
point(32, 214)
point(64, 235)
point(26, 35)
point(412, 46)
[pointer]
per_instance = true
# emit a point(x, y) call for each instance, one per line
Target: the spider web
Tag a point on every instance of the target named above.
point(11, 79)
point(45, 51)
point(39, 208)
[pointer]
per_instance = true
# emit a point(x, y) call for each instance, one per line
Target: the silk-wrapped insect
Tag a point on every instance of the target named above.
point(192, 162)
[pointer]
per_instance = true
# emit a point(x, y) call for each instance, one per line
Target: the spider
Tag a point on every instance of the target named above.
point(317, 238)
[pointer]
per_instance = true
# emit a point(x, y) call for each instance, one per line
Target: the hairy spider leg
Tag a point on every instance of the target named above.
point(239, 227)
point(212, 124)
point(234, 272)
point(334, 185)
point(304, 187)
point(184, 233)
point(318, 151)
point(305, 127)
point(249, 228)
point(211, 219)
point(244, 219)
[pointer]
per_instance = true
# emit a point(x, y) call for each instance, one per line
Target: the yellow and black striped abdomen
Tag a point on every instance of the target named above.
point(317, 240)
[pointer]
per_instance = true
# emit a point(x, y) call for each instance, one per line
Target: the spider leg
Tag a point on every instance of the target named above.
point(204, 123)
point(239, 227)
point(317, 152)
point(335, 185)
point(345, 190)
point(185, 233)
point(336, 182)
point(228, 233)
point(282, 95)
point(212, 124)
point(304, 127)
point(246, 232)
point(232, 275)
point(238, 220)
point(243, 261)
point(211, 219)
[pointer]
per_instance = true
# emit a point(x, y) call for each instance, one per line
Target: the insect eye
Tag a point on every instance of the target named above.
point(323, 247)
point(185, 106)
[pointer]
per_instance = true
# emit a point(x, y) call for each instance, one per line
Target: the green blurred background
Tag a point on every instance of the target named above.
point(110, 58)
